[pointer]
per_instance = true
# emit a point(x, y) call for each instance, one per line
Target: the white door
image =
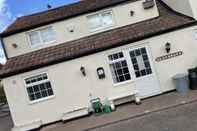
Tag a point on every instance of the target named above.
point(145, 77)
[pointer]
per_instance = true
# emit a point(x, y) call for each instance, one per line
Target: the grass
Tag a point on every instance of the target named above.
point(2, 95)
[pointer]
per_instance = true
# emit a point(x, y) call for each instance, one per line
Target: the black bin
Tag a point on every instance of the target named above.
point(193, 78)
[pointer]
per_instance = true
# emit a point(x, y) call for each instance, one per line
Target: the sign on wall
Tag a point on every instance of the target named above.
point(169, 56)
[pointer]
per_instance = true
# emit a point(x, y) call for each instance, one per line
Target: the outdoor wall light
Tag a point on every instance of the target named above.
point(168, 47)
point(100, 73)
point(132, 13)
point(82, 69)
point(71, 28)
point(14, 45)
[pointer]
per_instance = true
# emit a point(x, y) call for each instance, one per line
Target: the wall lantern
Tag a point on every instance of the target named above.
point(14, 45)
point(82, 69)
point(100, 73)
point(168, 47)
point(70, 28)
point(132, 13)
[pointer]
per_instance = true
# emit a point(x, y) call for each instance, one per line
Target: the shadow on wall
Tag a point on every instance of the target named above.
point(2, 95)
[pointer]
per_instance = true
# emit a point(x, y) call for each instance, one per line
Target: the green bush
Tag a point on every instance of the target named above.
point(2, 95)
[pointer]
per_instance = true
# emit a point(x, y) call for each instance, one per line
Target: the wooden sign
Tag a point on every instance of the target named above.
point(169, 56)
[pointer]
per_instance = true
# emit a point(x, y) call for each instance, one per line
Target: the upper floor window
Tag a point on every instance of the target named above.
point(100, 20)
point(42, 36)
point(38, 87)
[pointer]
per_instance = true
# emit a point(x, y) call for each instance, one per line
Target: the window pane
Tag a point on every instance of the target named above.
point(127, 77)
point(34, 38)
point(94, 22)
point(107, 19)
point(44, 93)
point(32, 97)
point(47, 34)
point(140, 62)
point(50, 92)
point(30, 90)
point(38, 95)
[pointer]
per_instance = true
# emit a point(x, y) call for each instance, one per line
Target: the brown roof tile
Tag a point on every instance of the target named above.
point(57, 14)
point(167, 21)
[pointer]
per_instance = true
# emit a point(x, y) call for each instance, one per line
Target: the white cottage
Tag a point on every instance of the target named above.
point(59, 59)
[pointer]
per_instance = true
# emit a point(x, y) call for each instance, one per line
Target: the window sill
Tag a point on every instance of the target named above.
point(43, 44)
point(123, 83)
point(41, 100)
point(101, 29)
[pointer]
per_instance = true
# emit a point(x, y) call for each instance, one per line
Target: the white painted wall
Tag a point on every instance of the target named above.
point(187, 7)
point(182, 6)
point(121, 14)
point(72, 90)
point(193, 4)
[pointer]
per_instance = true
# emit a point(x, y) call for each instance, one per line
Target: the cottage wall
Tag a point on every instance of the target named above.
point(72, 90)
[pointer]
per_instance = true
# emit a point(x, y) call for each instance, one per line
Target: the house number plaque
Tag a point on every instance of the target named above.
point(169, 56)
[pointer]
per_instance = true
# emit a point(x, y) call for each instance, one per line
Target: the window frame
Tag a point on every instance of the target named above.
point(100, 15)
point(148, 60)
point(40, 99)
point(118, 60)
point(40, 37)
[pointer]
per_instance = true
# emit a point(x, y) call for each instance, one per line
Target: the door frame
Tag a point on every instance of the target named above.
point(151, 61)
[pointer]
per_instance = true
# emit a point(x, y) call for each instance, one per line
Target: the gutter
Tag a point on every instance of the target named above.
point(3, 46)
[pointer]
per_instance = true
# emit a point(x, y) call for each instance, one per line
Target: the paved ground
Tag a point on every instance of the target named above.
point(137, 117)
point(5, 119)
point(5, 123)
point(127, 111)
point(181, 118)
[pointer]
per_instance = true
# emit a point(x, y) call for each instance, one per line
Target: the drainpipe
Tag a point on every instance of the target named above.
point(3, 46)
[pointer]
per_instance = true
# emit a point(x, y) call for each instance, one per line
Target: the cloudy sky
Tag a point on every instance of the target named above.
point(11, 9)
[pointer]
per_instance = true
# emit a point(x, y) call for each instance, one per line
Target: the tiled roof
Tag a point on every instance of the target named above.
point(167, 21)
point(53, 15)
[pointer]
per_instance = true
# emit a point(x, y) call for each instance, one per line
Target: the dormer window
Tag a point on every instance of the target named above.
point(100, 21)
point(41, 36)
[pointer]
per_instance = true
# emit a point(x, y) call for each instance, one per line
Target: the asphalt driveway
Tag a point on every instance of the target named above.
point(180, 118)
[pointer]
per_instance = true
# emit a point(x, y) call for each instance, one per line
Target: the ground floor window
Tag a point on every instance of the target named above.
point(119, 68)
point(38, 87)
point(129, 63)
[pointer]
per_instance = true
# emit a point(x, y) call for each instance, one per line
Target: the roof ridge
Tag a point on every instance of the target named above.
point(52, 9)
point(57, 14)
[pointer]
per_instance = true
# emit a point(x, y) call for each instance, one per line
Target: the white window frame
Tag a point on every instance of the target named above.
point(47, 80)
point(41, 43)
point(117, 60)
point(100, 15)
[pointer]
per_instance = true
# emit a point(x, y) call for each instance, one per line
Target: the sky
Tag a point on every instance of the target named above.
point(11, 9)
